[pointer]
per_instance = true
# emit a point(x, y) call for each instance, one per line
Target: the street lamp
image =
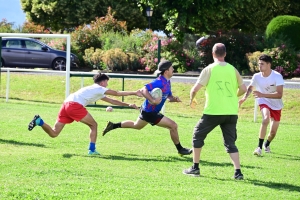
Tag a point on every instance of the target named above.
point(149, 12)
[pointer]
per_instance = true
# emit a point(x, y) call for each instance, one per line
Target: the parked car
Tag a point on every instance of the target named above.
point(32, 53)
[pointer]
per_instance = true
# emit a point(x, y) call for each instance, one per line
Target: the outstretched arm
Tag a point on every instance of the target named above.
point(123, 93)
point(118, 103)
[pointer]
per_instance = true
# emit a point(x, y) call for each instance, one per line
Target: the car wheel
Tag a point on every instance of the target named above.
point(59, 64)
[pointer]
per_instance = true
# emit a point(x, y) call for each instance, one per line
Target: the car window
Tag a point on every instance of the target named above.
point(33, 45)
point(13, 44)
point(4, 43)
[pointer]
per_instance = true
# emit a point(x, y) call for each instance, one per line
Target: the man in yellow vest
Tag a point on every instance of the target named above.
point(223, 86)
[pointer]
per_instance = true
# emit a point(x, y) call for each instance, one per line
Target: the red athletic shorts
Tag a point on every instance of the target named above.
point(275, 114)
point(71, 111)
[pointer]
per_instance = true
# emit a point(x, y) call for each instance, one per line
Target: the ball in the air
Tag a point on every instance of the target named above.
point(109, 109)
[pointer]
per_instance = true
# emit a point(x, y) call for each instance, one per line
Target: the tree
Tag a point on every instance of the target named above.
point(198, 16)
point(66, 14)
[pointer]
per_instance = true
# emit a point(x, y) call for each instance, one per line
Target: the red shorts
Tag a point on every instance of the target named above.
point(71, 111)
point(275, 114)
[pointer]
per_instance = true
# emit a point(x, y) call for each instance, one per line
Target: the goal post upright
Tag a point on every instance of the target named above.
point(68, 50)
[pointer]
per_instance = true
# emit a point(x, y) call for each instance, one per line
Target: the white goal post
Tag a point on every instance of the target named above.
point(68, 49)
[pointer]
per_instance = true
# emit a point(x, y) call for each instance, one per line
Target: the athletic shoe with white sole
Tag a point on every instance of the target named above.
point(257, 151)
point(239, 176)
point(192, 172)
point(93, 153)
point(267, 149)
point(185, 151)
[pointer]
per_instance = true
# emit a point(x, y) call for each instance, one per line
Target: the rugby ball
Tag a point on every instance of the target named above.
point(156, 93)
point(109, 109)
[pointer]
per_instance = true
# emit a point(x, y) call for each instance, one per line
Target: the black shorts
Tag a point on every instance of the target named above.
point(152, 118)
point(207, 123)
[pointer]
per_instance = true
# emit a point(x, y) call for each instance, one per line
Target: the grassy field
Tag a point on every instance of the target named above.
point(136, 164)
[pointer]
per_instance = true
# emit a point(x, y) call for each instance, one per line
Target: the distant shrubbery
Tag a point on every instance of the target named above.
point(104, 44)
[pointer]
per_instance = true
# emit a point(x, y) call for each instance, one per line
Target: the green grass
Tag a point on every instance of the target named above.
point(136, 164)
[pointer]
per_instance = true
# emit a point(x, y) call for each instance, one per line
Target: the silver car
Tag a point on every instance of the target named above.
point(32, 53)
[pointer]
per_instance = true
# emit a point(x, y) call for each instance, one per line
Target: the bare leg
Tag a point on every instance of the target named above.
point(273, 129)
point(196, 154)
point(89, 120)
point(55, 131)
point(235, 160)
point(172, 126)
point(138, 124)
point(265, 122)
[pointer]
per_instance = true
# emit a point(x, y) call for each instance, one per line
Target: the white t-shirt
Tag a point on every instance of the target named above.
point(87, 95)
point(267, 85)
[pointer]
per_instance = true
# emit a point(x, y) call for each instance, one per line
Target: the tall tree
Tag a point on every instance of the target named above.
point(198, 16)
point(71, 13)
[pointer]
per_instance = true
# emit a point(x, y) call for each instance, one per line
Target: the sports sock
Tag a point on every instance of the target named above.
point(196, 166)
point(92, 146)
point(117, 125)
point(260, 143)
point(178, 146)
point(267, 143)
point(39, 121)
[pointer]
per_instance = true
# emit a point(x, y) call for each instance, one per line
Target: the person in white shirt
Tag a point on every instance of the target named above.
point(73, 108)
point(269, 90)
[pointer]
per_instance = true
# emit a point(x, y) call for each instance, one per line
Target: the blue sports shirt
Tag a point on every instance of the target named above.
point(165, 85)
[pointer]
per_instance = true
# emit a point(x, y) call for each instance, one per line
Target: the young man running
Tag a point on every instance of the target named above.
point(73, 108)
point(150, 110)
point(269, 91)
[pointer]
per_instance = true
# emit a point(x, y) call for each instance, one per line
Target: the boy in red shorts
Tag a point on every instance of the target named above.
point(73, 108)
point(269, 90)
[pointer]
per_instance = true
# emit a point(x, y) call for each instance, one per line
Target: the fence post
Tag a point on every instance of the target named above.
point(7, 85)
point(158, 50)
point(255, 110)
point(0, 59)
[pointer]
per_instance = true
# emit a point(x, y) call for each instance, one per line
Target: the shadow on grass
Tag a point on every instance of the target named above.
point(269, 184)
point(133, 157)
point(275, 185)
point(286, 156)
point(223, 164)
point(21, 143)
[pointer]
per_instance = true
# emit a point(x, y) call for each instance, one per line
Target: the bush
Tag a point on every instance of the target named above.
point(115, 60)
point(93, 58)
point(284, 60)
point(149, 57)
point(108, 24)
point(253, 61)
point(288, 26)
point(30, 27)
point(237, 45)
point(6, 27)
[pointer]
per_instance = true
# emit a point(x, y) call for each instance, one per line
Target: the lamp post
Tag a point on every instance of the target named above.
point(149, 12)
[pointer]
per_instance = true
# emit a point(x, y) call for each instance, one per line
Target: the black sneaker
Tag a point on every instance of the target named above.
point(32, 124)
point(185, 151)
point(239, 176)
point(109, 127)
point(192, 172)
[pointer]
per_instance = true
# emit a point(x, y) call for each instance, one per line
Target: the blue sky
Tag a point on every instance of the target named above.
point(11, 10)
